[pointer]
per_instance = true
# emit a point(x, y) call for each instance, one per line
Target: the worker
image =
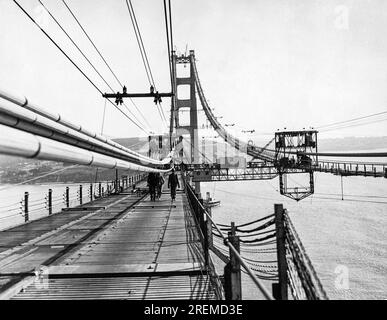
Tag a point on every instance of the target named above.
point(160, 182)
point(173, 182)
point(152, 181)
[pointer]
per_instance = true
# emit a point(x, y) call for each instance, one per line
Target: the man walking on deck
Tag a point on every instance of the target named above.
point(152, 181)
point(159, 186)
point(173, 182)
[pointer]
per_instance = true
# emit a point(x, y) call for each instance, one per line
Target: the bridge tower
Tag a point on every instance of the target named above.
point(187, 104)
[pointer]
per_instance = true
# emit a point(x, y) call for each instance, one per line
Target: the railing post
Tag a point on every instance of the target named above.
point(117, 183)
point(203, 227)
point(232, 271)
point(209, 229)
point(49, 201)
point(99, 190)
point(67, 197)
point(91, 192)
point(26, 215)
point(80, 194)
point(282, 290)
point(385, 172)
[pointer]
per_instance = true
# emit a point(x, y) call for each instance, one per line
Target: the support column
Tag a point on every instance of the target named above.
point(26, 214)
point(80, 194)
point(192, 128)
point(49, 200)
point(117, 183)
point(209, 229)
point(232, 271)
point(67, 197)
point(281, 291)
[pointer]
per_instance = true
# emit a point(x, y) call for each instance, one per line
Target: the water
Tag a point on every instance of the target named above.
point(12, 195)
point(338, 235)
point(341, 237)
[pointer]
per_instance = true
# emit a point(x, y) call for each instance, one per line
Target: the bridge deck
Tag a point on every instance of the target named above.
point(130, 249)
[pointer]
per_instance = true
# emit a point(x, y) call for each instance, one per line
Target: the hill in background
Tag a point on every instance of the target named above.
point(16, 170)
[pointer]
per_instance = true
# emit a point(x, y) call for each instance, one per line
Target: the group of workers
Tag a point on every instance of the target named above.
point(156, 181)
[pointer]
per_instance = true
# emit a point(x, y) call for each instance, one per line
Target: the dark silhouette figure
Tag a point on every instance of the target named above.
point(152, 183)
point(159, 186)
point(173, 183)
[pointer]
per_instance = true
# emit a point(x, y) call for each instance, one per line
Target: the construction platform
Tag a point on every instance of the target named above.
point(120, 247)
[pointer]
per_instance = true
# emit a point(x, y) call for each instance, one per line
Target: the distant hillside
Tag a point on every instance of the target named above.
point(352, 143)
point(15, 170)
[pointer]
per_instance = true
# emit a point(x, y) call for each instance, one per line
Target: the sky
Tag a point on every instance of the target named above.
point(263, 65)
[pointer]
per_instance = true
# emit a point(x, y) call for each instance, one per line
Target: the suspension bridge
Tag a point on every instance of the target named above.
point(116, 243)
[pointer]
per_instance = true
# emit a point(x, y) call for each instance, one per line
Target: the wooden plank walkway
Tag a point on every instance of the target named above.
point(131, 249)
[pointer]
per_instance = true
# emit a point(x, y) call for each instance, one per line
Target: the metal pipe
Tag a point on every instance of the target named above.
point(55, 117)
point(26, 120)
point(15, 142)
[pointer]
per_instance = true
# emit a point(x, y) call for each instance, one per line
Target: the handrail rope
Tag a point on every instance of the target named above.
point(259, 239)
point(304, 267)
point(259, 244)
point(12, 215)
point(261, 251)
point(297, 290)
point(288, 221)
point(249, 235)
point(10, 210)
point(303, 277)
point(255, 234)
point(259, 261)
point(248, 223)
point(223, 251)
point(265, 292)
point(10, 205)
point(261, 227)
point(269, 278)
point(264, 266)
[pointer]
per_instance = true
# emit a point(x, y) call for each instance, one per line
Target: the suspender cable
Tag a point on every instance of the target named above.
point(103, 59)
point(82, 53)
point(143, 53)
point(75, 65)
point(140, 43)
